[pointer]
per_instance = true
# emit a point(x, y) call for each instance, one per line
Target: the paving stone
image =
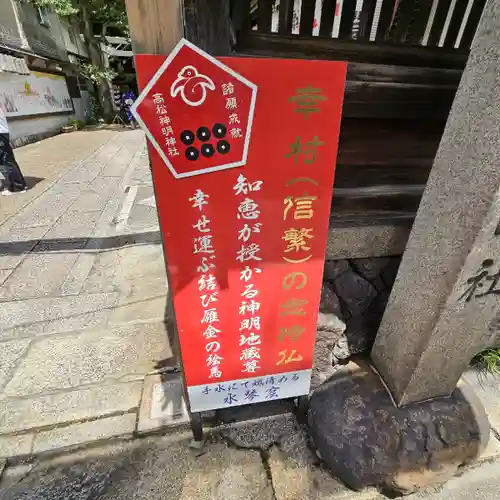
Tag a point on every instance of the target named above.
point(298, 475)
point(487, 387)
point(85, 432)
point(4, 274)
point(162, 403)
point(75, 225)
point(492, 450)
point(38, 275)
point(81, 404)
point(91, 200)
point(139, 309)
point(15, 243)
point(63, 361)
point(10, 352)
point(46, 210)
point(11, 446)
point(48, 315)
point(148, 469)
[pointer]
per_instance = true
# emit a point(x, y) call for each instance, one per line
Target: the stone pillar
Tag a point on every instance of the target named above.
point(445, 304)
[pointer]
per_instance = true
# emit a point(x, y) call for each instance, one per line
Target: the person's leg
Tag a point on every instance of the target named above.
point(16, 178)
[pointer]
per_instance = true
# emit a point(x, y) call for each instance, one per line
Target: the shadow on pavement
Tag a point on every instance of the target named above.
point(79, 244)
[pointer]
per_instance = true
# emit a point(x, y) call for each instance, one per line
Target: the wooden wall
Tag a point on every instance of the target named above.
point(398, 92)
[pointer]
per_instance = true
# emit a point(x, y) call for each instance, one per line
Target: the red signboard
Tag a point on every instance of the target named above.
point(244, 230)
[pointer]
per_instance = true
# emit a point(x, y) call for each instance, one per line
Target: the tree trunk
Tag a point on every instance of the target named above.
point(97, 59)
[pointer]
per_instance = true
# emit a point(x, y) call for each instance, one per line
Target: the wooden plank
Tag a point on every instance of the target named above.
point(420, 17)
point(327, 17)
point(472, 23)
point(377, 204)
point(285, 17)
point(402, 74)
point(381, 177)
point(439, 20)
point(208, 25)
point(346, 19)
point(373, 143)
point(456, 22)
point(307, 17)
point(366, 19)
point(265, 15)
point(240, 16)
point(154, 28)
point(385, 20)
point(274, 45)
point(397, 100)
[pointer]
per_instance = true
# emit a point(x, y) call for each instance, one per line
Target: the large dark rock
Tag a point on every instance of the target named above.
point(361, 331)
point(354, 291)
point(334, 268)
point(366, 441)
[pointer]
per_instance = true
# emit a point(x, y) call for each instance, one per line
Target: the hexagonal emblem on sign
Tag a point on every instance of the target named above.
point(197, 113)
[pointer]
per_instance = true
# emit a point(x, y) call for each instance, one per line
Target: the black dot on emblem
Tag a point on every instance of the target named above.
point(187, 137)
point(207, 150)
point(203, 134)
point(192, 153)
point(219, 130)
point(223, 147)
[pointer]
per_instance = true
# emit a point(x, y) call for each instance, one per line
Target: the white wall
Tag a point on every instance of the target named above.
point(24, 131)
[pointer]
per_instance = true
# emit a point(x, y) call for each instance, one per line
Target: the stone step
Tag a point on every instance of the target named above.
point(108, 355)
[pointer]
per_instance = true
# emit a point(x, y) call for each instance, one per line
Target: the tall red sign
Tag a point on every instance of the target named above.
point(243, 156)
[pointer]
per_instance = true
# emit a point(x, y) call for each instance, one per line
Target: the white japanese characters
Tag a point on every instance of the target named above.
point(166, 128)
point(232, 107)
point(207, 284)
point(248, 254)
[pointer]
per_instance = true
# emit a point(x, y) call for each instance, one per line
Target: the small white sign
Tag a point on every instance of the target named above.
point(249, 390)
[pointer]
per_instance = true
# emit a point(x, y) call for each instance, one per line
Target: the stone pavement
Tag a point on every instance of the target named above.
point(232, 466)
point(82, 293)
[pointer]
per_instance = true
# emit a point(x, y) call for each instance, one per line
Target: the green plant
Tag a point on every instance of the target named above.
point(77, 124)
point(96, 73)
point(488, 360)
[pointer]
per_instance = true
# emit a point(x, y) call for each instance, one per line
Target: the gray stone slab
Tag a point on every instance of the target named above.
point(492, 450)
point(58, 362)
point(39, 274)
point(91, 200)
point(70, 233)
point(49, 315)
point(65, 407)
point(46, 210)
point(15, 243)
point(85, 432)
point(4, 274)
point(297, 475)
point(487, 387)
point(162, 403)
point(139, 309)
point(12, 446)
point(367, 241)
point(10, 352)
point(147, 469)
point(100, 277)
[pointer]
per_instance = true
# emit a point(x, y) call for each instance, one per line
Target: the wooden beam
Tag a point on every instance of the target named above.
point(208, 25)
point(155, 25)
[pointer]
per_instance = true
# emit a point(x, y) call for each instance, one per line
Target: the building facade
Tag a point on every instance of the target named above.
point(40, 91)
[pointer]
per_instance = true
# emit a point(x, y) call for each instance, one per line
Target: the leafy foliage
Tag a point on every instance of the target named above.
point(95, 73)
point(111, 12)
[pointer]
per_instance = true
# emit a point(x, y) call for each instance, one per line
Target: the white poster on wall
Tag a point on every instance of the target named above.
point(34, 94)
